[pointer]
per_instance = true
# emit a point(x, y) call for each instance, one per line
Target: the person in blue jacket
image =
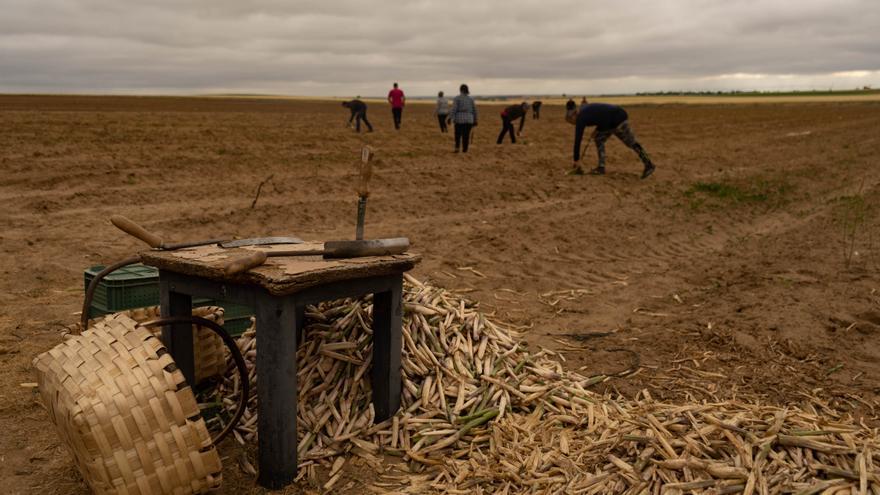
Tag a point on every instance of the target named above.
point(609, 120)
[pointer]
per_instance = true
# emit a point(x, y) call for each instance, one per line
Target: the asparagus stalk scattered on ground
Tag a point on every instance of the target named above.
point(482, 414)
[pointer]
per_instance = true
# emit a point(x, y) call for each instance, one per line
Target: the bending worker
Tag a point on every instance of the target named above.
point(508, 115)
point(359, 110)
point(608, 119)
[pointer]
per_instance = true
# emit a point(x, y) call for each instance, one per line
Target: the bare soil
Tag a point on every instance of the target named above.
point(748, 260)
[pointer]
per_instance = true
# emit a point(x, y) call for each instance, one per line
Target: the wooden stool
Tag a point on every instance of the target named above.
point(279, 292)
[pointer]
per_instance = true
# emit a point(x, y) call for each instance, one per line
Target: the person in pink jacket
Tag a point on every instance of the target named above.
point(397, 101)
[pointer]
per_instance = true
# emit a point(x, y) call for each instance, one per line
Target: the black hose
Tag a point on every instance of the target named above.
point(236, 356)
point(93, 285)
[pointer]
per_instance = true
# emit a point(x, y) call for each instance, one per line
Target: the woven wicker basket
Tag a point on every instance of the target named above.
point(209, 353)
point(125, 411)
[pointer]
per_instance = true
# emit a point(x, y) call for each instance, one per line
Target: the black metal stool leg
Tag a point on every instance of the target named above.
point(178, 338)
point(278, 319)
point(387, 345)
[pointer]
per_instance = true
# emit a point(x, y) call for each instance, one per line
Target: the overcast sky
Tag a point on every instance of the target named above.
point(358, 47)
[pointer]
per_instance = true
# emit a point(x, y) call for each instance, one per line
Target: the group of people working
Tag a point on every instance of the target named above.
point(607, 119)
point(358, 109)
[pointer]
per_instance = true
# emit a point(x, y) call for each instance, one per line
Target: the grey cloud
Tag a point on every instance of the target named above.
point(358, 47)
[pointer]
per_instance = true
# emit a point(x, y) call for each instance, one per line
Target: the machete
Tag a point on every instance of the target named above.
point(156, 242)
point(260, 241)
point(153, 240)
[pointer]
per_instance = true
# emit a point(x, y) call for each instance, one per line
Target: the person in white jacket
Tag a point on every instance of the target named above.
point(442, 111)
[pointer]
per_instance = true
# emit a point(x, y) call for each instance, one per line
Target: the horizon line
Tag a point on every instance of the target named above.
point(735, 92)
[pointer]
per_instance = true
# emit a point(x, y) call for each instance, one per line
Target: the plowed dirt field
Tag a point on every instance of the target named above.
point(748, 261)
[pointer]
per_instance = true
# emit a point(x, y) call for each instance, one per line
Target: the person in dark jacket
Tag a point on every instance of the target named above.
point(359, 111)
point(508, 115)
point(536, 109)
point(608, 120)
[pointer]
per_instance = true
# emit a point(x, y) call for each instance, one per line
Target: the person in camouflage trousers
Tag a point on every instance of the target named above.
point(609, 120)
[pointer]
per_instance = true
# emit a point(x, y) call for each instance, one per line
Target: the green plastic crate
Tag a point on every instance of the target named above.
point(236, 317)
point(237, 326)
point(132, 286)
point(137, 286)
point(231, 310)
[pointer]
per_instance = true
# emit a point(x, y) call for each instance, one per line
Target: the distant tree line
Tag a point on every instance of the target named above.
point(757, 93)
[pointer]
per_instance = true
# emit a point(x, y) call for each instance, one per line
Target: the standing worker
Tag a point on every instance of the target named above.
point(359, 110)
point(397, 101)
point(608, 119)
point(536, 109)
point(442, 111)
point(508, 115)
point(464, 115)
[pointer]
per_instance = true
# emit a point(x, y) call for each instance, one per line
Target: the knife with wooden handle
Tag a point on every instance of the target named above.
point(154, 241)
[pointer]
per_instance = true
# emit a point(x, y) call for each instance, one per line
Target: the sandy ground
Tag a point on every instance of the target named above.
point(750, 257)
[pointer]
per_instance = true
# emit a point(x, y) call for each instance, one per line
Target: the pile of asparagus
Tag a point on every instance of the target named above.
point(482, 414)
